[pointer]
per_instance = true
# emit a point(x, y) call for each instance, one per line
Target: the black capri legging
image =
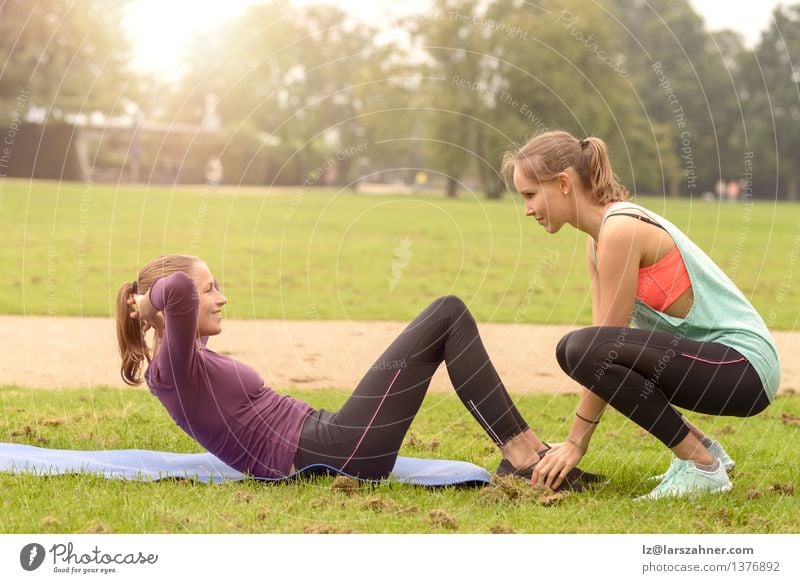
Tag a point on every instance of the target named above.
point(364, 436)
point(643, 373)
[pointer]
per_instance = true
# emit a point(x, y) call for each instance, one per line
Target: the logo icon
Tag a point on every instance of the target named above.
point(402, 257)
point(31, 556)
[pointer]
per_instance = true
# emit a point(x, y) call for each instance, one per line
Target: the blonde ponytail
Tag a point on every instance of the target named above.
point(599, 178)
point(133, 347)
point(547, 154)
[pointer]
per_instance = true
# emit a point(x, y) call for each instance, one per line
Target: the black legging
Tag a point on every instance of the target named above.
point(364, 436)
point(643, 373)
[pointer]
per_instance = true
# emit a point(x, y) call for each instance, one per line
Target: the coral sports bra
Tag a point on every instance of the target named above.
point(663, 282)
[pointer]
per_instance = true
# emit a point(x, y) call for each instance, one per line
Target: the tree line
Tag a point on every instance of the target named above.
point(309, 95)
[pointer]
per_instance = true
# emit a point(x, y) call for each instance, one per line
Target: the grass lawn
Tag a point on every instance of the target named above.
point(764, 498)
point(327, 255)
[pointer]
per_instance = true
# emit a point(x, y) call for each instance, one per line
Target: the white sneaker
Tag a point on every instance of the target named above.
point(672, 467)
point(719, 452)
point(685, 478)
point(714, 449)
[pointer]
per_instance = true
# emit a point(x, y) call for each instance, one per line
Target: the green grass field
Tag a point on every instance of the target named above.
point(324, 255)
point(764, 498)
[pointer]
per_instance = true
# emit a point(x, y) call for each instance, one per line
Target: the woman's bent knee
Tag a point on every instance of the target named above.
point(574, 349)
point(451, 303)
point(561, 352)
point(450, 307)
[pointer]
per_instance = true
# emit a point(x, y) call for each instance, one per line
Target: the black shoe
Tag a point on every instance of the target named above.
point(506, 469)
point(576, 479)
point(589, 478)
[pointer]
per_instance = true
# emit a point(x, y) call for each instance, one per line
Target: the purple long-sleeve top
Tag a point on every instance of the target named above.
point(221, 403)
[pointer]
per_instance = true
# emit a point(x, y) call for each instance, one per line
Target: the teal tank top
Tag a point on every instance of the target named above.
point(720, 312)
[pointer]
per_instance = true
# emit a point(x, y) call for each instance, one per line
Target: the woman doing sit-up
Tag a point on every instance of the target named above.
point(224, 405)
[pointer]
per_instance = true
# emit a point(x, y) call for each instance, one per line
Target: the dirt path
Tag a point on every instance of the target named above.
point(50, 352)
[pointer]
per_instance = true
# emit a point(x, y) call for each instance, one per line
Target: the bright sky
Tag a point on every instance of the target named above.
point(749, 17)
point(163, 29)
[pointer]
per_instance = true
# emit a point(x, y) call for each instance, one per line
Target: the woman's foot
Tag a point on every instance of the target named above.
point(685, 478)
point(714, 448)
point(506, 468)
point(576, 479)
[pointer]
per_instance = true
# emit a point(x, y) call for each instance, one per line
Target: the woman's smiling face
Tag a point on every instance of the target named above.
point(209, 317)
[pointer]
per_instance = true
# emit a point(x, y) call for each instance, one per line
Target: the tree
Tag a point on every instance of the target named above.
point(458, 90)
point(286, 74)
point(772, 100)
point(64, 56)
point(561, 65)
point(684, 79)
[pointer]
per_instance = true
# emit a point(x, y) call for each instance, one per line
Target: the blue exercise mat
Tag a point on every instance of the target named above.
point(147, 465)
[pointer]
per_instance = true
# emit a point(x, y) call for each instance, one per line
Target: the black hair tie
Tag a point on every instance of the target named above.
point(584, 144)
point(134, 287)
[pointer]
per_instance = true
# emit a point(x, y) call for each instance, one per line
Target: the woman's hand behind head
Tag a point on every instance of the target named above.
point(144, 311)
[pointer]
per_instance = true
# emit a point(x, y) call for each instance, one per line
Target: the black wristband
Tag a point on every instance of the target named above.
point(585, 419)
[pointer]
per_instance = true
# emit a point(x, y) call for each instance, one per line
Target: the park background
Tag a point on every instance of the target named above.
point(338, 173)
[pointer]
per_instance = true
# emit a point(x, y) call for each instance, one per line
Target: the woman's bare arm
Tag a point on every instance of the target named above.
point(613, 282)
